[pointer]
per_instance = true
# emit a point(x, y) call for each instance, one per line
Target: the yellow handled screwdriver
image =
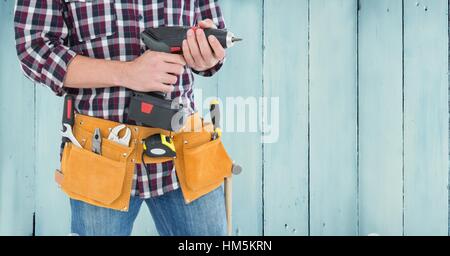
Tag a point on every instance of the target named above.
point(215, 118)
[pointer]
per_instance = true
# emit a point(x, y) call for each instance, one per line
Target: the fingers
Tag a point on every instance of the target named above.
point(165, 88)
point(156, 87)
point(173, 58)
point(187, 54)
point(194, 48)
point(208, 23)
point(168, 79)
point(199, 52)
point(171, 68)
point(218, 49)
point(205, 49)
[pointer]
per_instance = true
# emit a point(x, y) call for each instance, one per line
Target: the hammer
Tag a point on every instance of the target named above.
point(236, 169)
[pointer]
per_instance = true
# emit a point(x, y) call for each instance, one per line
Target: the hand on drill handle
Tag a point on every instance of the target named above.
point(156, 71)
point(153, 72)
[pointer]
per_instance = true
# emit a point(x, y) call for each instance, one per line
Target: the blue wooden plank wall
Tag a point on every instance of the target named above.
point(17, 136)
point(360, 89)
point(381, 117)
point(425, 117)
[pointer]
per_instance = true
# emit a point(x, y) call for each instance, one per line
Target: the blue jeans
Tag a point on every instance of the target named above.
point(172, 216)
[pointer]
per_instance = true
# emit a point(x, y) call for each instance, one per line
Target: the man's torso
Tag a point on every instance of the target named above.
point(110, 29)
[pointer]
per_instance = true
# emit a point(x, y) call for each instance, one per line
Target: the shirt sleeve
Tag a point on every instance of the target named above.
point(210, 9)
point(40, 35)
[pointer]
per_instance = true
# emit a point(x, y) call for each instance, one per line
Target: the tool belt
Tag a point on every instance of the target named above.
point(105, 180)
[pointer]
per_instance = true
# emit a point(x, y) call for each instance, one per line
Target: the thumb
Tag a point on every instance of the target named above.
point(208, 23)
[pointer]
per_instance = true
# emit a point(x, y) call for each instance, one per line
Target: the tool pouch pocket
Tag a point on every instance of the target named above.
point(206, 164)
point(202, 164)
point(102, 180)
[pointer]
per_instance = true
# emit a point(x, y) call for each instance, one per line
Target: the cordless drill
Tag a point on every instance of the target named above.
point(170, 39)
point(152, 109)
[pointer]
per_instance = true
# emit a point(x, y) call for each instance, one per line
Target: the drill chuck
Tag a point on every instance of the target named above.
point(226, 38)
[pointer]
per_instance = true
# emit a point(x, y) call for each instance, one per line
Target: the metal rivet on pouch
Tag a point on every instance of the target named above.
point(186, 142)
point(124, 155)
point(81, 122)
point(136, 129)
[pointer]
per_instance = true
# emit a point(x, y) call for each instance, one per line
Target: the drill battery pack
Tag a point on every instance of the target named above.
point(153, 110)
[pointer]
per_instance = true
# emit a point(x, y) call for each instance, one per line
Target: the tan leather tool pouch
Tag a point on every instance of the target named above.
point(201, 164)
point(101, 180)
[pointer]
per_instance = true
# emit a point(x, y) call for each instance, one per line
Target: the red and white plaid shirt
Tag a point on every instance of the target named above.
point(50, 33)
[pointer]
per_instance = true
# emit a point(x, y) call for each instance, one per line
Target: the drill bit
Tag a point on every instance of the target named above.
point(236, 39)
